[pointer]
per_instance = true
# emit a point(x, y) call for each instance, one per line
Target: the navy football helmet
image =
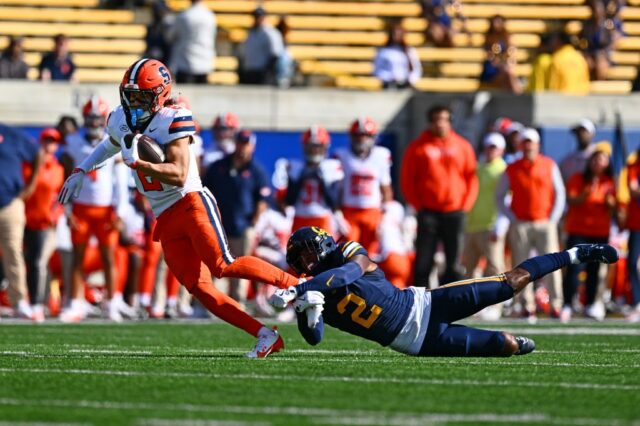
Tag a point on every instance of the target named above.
point(307, 250)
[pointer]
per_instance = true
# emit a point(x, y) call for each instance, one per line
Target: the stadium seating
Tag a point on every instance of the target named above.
point(333, 39)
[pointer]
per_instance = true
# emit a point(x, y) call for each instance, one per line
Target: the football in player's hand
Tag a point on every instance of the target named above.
point(149, 150)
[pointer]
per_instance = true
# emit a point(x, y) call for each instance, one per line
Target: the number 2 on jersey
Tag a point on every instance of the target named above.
point(356, 314)
point(149, 183)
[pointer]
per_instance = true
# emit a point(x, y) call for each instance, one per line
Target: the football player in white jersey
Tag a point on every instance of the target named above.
point(93, 213)
point(367, 182)
point(312, 186)
point(188, 222)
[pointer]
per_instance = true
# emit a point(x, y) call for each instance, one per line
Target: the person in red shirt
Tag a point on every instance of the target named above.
point(42, 212)
point(592, 191)
point(633, 225)
point(438, 178)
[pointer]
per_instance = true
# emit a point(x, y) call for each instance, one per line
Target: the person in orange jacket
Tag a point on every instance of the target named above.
point(438, 179)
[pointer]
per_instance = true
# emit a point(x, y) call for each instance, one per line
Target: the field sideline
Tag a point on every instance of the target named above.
point(193, 373)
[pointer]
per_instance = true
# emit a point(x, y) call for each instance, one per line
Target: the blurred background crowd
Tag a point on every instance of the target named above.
point(468, 210)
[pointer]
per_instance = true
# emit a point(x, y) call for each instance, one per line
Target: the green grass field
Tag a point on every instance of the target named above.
point(190, 373)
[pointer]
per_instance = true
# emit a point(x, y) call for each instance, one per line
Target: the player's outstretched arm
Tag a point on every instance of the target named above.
point(313, 335)
point(338, 277)
point(72, 185)
point(175, 168)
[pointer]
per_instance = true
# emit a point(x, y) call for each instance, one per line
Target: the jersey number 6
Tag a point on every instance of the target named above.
point(362, 305)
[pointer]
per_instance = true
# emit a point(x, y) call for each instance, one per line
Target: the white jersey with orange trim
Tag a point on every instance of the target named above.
point(364, 176)
point(98, 185)
point(167, 125)
point(390, 231)
point(310, 201)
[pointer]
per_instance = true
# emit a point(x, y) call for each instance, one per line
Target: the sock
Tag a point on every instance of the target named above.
point(540, 266)
point(225, 307)
point(144, 299)
point(254, 269)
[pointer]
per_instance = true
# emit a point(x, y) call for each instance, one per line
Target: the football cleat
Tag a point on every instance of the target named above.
point(602, 253)
point(525, 345)
point(269, 341)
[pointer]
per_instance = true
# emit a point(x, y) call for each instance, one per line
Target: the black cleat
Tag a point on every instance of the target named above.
point(602, 253)
point(525, 345)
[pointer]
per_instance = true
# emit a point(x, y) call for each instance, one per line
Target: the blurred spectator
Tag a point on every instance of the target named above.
point(439, 30)
point(260, 52)
point(539, 78)
point(537, 203)
point(159, 33)
point(58, 65)
point(438, 178)
point(12, 64)
point(569, 71)
point(367, 182)
point(42, 214)
point(397, 64)
point(67, 125)
point(483, 238)
point(576, 162)
point(593, 191)
point(16, 148)
point(633, 225)
point(513, 151)
point(498, 70)
point(241, 187)
point(223, 132)
point(598, 38)
point(312, 186)
point(286, 66)
point(193, 51)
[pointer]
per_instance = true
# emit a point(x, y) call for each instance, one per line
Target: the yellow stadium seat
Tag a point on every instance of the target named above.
point(65, 15)
point(610, 87)
point(76, 30)
point(76, 45)
point(53, 3)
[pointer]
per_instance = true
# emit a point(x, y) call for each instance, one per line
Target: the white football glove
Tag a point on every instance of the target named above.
point(130, 152)
point(282, 297)
point(309, 299)
point(313, 315)
point(72, 186)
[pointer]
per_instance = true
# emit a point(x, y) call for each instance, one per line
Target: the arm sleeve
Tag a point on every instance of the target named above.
point(502, 200)
point(313, 336)
point(332, 279)
point(293, 191)
point(560, 197)
point(99, 155)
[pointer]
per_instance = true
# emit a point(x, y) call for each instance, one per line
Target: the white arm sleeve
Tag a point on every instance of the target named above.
point(99, 155)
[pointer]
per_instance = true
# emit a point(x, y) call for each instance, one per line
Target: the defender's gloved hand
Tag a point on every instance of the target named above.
point(282, 297)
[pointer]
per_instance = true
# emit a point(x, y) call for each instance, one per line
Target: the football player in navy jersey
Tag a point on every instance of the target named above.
point(348, 291)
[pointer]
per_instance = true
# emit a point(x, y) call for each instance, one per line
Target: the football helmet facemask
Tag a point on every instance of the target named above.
point(308, 250)
point(144, 90)
point(363, 132)
point(315, 144)
point(224, 130)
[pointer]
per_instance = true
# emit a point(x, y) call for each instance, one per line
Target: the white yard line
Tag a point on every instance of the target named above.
point(193, 422)
point(331, 379)
point(110, 351)
point(318, 415)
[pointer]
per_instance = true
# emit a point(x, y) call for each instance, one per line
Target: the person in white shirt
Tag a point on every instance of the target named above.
point(397, 64)
point(193, 50)
point(260, 52)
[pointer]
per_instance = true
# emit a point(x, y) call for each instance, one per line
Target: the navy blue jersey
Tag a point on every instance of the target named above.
point(370, 307)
